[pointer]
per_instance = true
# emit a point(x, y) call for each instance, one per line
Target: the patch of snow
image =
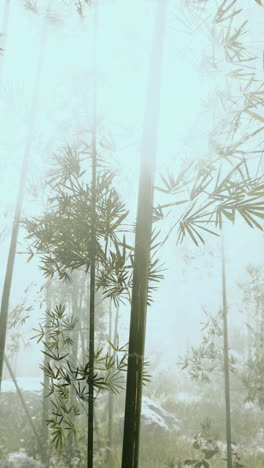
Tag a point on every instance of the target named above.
point(249, 405)
point(259, 449)
point(19, 460)
point(153, 415)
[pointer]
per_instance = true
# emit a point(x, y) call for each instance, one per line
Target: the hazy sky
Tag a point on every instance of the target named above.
point(61, 49)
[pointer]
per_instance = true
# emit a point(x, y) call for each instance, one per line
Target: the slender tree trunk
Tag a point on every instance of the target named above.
point(45, 407)
point(29, 418)
point(110, 396)
point(110, 429)
point(93, 263)
point(110, 399)
point(76, 310)
point(130, 454)
point(226, 365)
point(19, 203)
point(83, 319)
point(249, 337)
point(91, 324)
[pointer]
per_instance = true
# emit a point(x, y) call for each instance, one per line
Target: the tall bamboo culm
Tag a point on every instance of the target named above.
point(130, 454)
point(19, 204)
point(113, 336)
point(226, 363)
point(45, 404)
point(90, 440)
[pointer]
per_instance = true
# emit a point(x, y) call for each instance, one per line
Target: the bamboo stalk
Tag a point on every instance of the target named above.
point(91, 334)
point(110, 396)
point(130, 455)
point(226, 364)
point(19, 204)
point(84, 324)
point(74, 353)
point(90, 440)
point(45, 408)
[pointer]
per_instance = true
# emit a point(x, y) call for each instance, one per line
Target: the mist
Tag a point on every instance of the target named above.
point(131, 179)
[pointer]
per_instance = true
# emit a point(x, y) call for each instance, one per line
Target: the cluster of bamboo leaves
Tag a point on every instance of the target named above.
point(70, 375)
point(239, 124)
point(206, 361)
point(252, 375)
point(62, 237)
point(227, 182)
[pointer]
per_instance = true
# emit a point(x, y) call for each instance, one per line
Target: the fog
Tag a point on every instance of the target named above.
point(60, 59)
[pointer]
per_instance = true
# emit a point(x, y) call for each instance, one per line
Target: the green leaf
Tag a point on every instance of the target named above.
point(196, 445)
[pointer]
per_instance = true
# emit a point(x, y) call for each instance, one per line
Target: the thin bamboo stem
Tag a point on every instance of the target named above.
point(110, 397)
point(45, 408)
point(92, 265)
point(226, 364)
point(19, 204)
point(130, 455)
point(91, 370)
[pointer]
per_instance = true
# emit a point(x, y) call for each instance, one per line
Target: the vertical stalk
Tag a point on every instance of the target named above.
point(226, 364)
point(76, 308)
point(130, 455)
point(110, 323)
point(110, 428)
point(45, 407)
point(83, 321)
point(92, 266)
point(110, 397)
point(19, 204)
point(92, 314)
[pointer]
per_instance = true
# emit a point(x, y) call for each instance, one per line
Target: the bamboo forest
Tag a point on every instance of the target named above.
point(131, 234)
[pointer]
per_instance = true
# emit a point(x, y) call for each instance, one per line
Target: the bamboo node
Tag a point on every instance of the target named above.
point(136, 356)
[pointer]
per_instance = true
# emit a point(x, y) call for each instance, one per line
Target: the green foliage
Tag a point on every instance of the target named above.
point(115, 277)
point(236, 463)
point(67, 376)
point(204, 443)
point(17, 319)
point(63, 235)
point(225, 184)
point(206, 360)
point(213, 193)
point(252, 375)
